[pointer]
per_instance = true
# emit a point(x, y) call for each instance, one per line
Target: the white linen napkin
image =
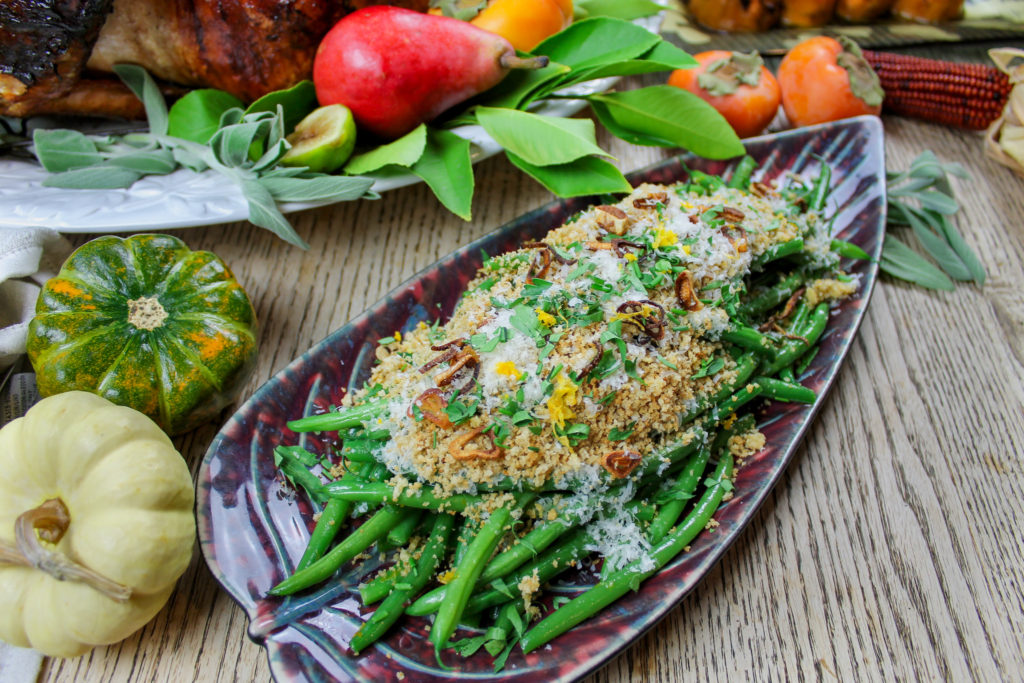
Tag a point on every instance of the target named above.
point(18, 664)
point(28, 258)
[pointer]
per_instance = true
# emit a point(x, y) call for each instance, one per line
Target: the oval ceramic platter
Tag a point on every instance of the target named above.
point(253, 528)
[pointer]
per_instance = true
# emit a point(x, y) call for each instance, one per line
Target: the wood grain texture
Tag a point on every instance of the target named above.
point(891, 548)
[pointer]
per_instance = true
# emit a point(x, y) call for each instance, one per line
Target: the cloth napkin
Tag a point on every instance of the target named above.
point(28, 258)
point(19, 665)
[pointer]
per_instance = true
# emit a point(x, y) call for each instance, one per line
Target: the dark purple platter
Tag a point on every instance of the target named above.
point(253, 530)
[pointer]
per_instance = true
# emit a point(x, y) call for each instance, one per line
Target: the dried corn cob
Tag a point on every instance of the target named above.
point(956, 94)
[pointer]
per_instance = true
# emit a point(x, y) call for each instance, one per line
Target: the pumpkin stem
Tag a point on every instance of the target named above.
point(146, 313)
point(49, 521)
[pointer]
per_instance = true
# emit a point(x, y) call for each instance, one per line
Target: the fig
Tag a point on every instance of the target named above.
point(322, 141)
point(395, 68)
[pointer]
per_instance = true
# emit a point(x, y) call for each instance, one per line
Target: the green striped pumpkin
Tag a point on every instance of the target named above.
point(147, 323)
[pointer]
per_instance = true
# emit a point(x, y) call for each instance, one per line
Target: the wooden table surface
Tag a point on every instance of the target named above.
point(890, 549)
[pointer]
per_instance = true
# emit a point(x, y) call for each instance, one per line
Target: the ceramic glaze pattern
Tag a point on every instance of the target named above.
point(253, 529)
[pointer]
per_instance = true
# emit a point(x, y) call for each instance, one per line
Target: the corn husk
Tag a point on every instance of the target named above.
point(1004, 140)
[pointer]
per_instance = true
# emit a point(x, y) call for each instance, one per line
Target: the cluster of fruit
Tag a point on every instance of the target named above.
point(372, 74)
point(821, 79)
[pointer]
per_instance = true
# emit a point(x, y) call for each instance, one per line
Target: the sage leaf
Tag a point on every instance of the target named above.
point(152, 162)
point(586, 176)
point(232, 145)
point(904, 263)
point(318, 188)
point(619, 9)
point(197, 115)
point(937, 247)
point(296, 102)
point(596, 42)
point(264, 212)
point(145, 88)
point(93, 178)
point(62, 150)
point(937, 201)
point(446, 166)
point(405, 151)
point(674, 115)
point(540, 140)
point(959, 245)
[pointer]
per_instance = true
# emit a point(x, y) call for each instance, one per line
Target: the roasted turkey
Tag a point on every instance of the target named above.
point(56, 55)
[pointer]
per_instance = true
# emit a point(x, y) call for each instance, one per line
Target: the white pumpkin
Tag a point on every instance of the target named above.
point(128, 497)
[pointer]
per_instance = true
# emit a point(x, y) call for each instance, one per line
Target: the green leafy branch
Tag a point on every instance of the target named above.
point(243, 145)
point(210, 129)
point(922, 199)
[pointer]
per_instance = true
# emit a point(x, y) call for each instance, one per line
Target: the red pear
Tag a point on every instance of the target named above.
point(395, 68)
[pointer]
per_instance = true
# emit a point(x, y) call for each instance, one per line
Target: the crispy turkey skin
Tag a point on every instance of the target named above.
point(56, 55)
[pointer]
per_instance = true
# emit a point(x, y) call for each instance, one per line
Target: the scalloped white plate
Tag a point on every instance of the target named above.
point(184, 199)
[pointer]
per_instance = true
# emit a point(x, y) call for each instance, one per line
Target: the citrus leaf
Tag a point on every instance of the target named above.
point(296, 101)
point(540, 140)
point(589, 175)
point(662, 112)
point(598, 41)
point(197, 115)
point(619, 9)
point(447, 168)
point(405, 151)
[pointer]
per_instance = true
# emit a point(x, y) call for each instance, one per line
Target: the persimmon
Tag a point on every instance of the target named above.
point(825, 79)
point(737, 85)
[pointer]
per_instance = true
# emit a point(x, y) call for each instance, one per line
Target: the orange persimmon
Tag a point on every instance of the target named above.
point(825, 79)
point(737, 85)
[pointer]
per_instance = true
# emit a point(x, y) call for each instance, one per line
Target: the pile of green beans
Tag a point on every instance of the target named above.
point(461, 568)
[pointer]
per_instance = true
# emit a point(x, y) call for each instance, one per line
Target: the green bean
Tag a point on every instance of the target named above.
point(379, 492)
point(849, 250)
point(327, 526)
point(622, 581)
point(299, 473)
point(793, 349)
point(819, 192)
point(772, 296)
point(776, 252)
point(530, 545)
point(786, 375)
point(403, 531)
point(805, 360)
point(359, 540)
point(411, 583)
point(379, 586)
point(745, 366)
point(741, 174)
point(467, 532)
point(785, 391)
point(704, 181)
point(356, 416)
point(685, 484)
point(748, 338)
point(503, 627)
point(467, 572)
point(551, 563)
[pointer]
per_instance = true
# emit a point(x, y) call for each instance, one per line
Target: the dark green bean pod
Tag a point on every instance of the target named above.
point(624, 580)
point(359, 540)
point(410, 584)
